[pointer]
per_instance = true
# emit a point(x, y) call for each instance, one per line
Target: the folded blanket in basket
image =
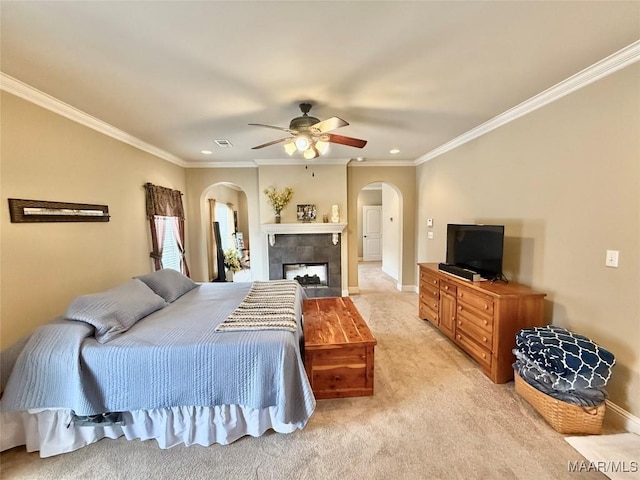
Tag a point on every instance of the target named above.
point(574, 360)
point(543, 380)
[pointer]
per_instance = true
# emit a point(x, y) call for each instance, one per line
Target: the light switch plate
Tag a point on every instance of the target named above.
point(612, 258)
point(429, 222)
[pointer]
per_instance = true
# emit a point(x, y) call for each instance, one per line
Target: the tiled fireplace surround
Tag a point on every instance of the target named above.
point(307, 243)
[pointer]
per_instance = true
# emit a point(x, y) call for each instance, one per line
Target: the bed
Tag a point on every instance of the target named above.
point(192, 364)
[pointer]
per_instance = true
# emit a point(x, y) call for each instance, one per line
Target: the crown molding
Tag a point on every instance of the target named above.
point(383, 163)
point(611, 64)
point(214, 164)
point(33, 95)
point(300, 161)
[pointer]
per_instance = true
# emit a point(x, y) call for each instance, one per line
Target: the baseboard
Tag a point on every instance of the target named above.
point(408, 288)
point(619, 418)
point(351, 291)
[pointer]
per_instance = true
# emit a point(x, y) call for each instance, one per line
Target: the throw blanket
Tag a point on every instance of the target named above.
point(563, 364)
point(267, 306)
point(173, 357)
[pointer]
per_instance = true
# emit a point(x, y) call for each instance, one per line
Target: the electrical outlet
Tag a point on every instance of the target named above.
point(430, 235)
point(429, 222)
point(612, 258)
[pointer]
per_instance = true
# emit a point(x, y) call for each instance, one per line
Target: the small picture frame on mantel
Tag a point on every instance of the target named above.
point(307, 213)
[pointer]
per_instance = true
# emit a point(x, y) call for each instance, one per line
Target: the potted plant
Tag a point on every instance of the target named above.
point(278, 200)
point(231, 263)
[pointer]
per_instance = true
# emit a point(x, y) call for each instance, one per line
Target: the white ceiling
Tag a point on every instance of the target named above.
point(406, 75)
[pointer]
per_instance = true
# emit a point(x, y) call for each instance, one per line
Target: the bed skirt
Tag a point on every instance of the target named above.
point(51, 432)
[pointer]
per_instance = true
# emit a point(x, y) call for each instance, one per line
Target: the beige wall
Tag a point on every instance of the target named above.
point(564, 180)
point(44, 266)
point(320, 185)
point(403, 180)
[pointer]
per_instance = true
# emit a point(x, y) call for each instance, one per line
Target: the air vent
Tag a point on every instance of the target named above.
point(223, 143)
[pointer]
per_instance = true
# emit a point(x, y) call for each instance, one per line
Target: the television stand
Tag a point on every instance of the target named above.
point(482, 318)
point(463, 273)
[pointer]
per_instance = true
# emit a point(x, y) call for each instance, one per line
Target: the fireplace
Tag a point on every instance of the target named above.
point(309, 275)
point(313, 257)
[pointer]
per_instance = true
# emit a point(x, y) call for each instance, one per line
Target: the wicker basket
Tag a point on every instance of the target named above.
point(562, 416)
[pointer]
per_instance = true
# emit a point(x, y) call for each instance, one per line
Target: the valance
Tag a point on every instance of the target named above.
point(164, 202)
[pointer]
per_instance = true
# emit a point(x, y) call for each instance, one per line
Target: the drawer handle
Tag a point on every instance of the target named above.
point(484, 355)
point(435, 305)
point(486, 307)
point(486, 322)
point(459, 322)
point(446, 287)
point(459, 308)
point(460, 294)
point(484, 339)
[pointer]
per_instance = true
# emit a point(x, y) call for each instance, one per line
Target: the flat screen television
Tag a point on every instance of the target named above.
point(477, 248)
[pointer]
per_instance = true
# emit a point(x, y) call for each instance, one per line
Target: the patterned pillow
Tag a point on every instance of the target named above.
point(116, 310)
point(168, 283)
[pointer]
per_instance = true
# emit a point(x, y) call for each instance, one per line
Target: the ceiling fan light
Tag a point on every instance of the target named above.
point(302, 143)
point(310, 153)
point(290, 148)
point(322, 147)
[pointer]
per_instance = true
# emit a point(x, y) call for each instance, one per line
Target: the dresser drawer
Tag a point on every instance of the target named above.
point(429, 301)
point(429, 290)
point(482, 302)
point(428, 313)
point(471, 329)
point(478, 318)
point(479, 354)
point(428, 278)
point(448, 287)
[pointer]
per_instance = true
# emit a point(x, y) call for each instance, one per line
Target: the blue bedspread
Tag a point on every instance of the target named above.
point(173, 357)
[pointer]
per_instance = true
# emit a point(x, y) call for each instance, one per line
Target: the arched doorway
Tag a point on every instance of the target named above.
point(380, 212)
point(226, 204)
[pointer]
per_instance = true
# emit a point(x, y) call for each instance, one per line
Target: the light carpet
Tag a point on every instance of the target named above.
point(617, 456)
point(434, 415)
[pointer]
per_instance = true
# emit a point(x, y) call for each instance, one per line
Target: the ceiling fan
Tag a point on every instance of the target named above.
point(311, 136)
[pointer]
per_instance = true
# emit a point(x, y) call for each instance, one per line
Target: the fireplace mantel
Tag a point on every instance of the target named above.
point(273, 229)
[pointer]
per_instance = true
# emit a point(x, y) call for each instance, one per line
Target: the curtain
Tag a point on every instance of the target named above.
point(165, 202)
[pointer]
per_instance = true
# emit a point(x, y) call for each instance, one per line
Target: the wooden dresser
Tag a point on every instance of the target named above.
point(482, 318)
point(338, 348)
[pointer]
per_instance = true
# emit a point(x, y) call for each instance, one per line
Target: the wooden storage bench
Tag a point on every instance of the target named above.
point(338, 348)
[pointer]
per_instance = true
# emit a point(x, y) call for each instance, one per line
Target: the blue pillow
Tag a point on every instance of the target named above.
point(116, 310)
point(168, 283)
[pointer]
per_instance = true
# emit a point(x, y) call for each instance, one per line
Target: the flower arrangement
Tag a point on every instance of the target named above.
point(278, 200)
point(232, 260)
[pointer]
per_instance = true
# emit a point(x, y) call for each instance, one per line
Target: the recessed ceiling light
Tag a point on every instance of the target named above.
point(223, 143)
point(206, 152)
point(394, 151)
point(359, 159)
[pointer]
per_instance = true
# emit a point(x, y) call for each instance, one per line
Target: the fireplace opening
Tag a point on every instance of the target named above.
point(309, 275)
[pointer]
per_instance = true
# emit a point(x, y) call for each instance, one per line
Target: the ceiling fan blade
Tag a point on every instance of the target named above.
point(269, 126)
point(271, 143)
point(328, 125)
point(352, 142)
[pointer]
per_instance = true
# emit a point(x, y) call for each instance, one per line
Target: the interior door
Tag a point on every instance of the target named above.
point(372, 233)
